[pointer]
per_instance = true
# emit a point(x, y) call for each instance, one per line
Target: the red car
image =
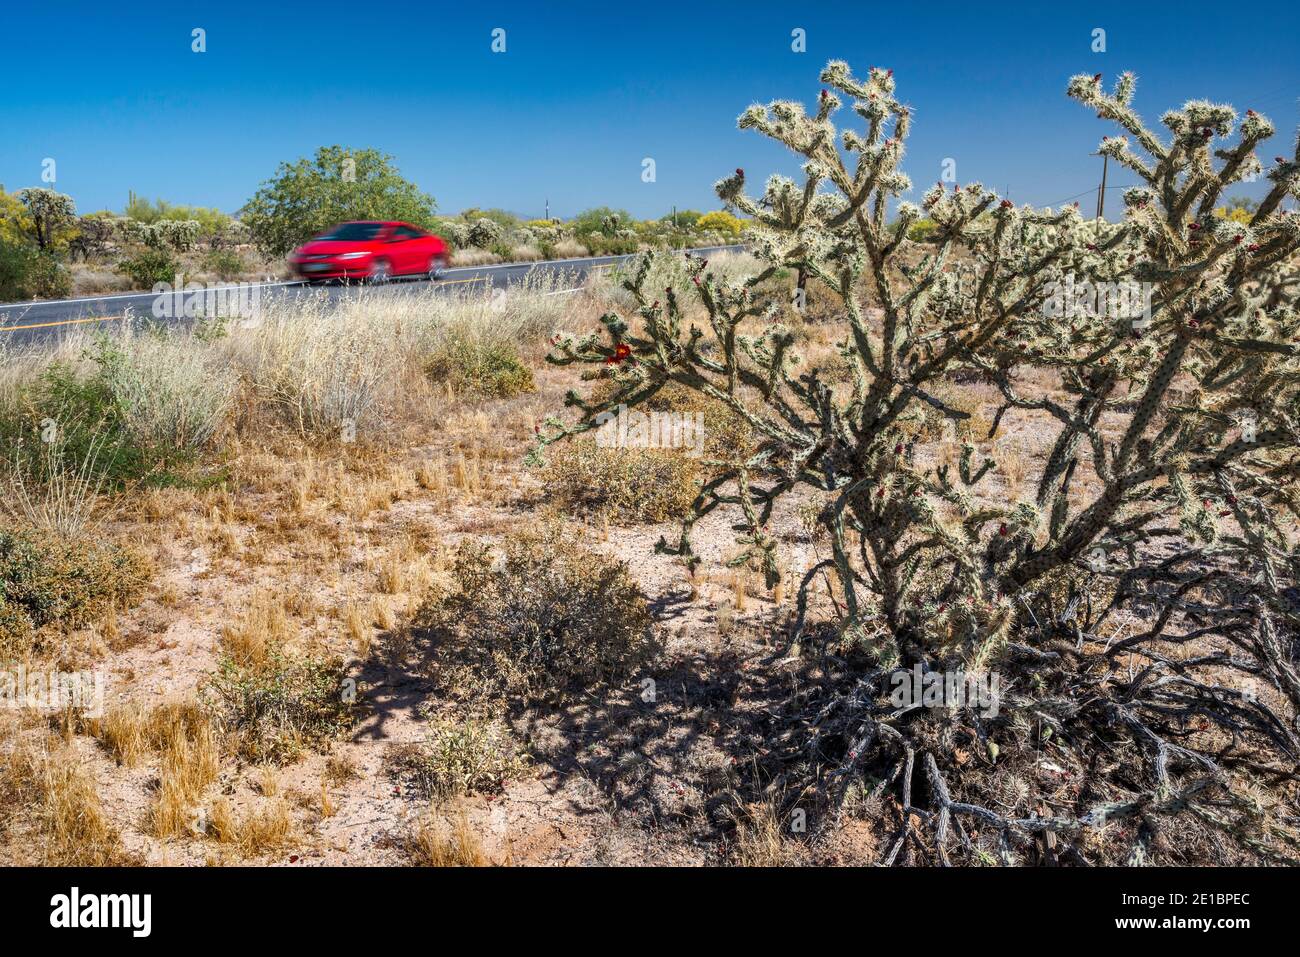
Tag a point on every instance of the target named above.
point(373, 251)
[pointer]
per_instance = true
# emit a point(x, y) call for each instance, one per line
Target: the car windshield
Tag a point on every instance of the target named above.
point(354, 232)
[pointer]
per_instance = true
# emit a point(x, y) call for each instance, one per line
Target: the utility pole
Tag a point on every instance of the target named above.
point(1101, 192)
point(548, 209)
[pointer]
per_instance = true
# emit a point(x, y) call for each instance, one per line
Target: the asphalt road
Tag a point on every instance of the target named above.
point(27, 322)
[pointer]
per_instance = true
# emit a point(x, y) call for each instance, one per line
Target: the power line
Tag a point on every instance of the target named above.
point(1090, 189)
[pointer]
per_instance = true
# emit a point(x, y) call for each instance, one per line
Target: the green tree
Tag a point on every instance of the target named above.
point(683, 219)
point(336, 185)
point(596, 219)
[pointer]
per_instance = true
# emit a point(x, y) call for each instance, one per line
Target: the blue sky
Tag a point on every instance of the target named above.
point(585, 91)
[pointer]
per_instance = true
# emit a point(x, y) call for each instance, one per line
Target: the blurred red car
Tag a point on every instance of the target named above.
point(373, 251)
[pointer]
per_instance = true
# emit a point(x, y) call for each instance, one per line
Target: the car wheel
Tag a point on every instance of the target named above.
point(379, 273)
point(437, 267)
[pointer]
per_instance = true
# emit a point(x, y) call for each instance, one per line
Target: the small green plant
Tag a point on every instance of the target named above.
point(462, 756)
point(138, 413)
point(279, 705)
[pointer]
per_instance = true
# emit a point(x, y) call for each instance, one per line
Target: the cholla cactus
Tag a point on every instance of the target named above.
point(94, 237)
point(484, 233)
point(163, 234)
point(934, 573)
point(51, 214)
point(176, 234)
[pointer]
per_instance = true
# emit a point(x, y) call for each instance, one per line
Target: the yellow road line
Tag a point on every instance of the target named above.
point(61, 322)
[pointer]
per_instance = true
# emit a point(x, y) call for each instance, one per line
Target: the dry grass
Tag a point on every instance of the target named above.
point(438, 843)
point(570, 249)
point(255, 832)
point(339, 769)
point(472, 256)
point(191, 761)
point(262, 626)
point(762, 841)
point(48, 796)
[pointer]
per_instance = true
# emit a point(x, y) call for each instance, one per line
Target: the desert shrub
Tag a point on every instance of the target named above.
point(682, 219)
point(549, 617)
point(27, 273)
point(94, 236)
point(14, 259)
point(598, 245)
point(67, 424)
point(225, 263)
point(168, 393)
point(51, 217)
point(480, 367)
point(163, 234)
point(48, 584)
point(149, 267)
point(1184, 517)
point(324, 374)
point(599, 219)
point(625, 485)
point(719, 432)
point(727, 436)
point(136, 408)
point(461, 755)
point(281, 705)
point(48, 278)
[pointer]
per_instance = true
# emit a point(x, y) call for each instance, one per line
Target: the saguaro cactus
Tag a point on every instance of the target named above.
point(932, 573)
